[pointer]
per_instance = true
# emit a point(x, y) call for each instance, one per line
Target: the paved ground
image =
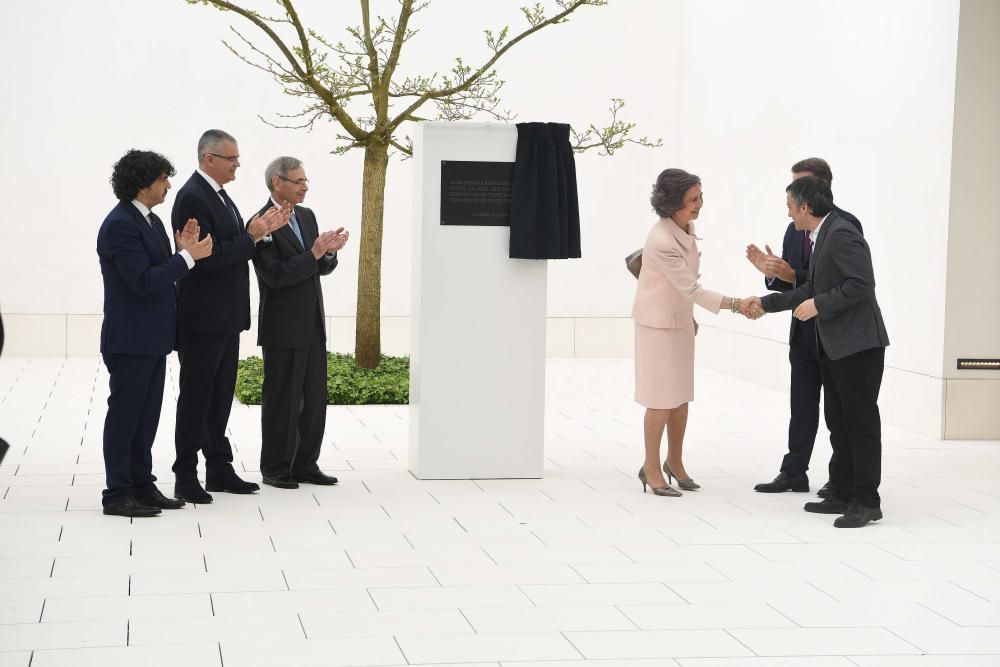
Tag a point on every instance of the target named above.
point(578, 568)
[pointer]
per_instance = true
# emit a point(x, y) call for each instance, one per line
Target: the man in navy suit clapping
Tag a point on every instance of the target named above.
point(140, 321)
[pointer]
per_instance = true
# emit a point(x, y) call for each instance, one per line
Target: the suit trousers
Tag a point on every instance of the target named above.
point(133, 416)
point(851, 387)
point(806, 383)
point(207, 383)
point(293, 407)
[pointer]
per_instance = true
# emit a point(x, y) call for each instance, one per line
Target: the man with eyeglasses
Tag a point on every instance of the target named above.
point(213, 307)
point(292, 332)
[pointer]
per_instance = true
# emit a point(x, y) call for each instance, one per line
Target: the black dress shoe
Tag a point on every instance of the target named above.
point(784, 482)
point(230, 482)
point(316, 477)
point(129, 506)
point(154, 498)
point(826, 491)
point(192, 492)
point(280, 481)
point(3, 449)
point(858, 515)
point(827, 506)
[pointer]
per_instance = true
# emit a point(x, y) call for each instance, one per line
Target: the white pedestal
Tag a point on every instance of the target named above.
point(477, 365)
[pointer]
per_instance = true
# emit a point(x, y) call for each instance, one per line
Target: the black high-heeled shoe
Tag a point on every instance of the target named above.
point(686, 484)
point(658, 490)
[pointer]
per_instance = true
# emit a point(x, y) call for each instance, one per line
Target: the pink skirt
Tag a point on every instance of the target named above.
point(664, 366)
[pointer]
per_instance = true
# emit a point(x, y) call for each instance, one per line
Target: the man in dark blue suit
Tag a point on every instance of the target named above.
point(139, 271)
point(213, 307)
point(783, 274)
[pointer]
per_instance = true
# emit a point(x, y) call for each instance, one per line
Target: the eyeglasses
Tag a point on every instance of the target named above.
point(231, 158)
point(297, 181)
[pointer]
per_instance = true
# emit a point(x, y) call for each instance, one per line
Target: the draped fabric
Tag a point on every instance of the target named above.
point(544, 212)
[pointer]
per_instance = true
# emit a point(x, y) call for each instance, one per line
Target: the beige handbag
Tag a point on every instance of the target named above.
point(634, 263)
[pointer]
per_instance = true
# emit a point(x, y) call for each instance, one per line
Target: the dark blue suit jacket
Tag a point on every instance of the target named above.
point(792, 252)
point(140, 300)
point(215, 297)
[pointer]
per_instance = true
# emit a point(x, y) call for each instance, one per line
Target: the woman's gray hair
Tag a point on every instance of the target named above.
point(211, 141)
point(669, 190)
point(280, 166)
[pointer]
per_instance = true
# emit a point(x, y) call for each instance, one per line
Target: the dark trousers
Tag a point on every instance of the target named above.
point(807, 380)
point(851, 386)
point(130, 426)
point(293, 407)
point(207, 382)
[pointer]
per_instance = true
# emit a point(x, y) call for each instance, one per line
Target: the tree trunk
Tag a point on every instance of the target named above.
point(367, 332)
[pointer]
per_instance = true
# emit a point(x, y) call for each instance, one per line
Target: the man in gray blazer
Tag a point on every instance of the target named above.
point(851, 339)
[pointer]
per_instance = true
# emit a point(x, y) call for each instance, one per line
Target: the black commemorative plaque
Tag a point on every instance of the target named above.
point(476, 193)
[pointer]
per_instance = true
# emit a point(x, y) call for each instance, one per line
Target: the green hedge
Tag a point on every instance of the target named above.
point(346, 384)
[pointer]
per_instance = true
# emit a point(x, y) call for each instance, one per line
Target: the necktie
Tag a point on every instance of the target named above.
point(294, 224)
point(231, 207)
point(806, 249)
point(158, 232)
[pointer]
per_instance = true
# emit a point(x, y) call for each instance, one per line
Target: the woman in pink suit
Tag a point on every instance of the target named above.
point(665, 296)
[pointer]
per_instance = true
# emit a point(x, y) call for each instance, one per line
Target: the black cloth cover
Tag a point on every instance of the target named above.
point(544, 212)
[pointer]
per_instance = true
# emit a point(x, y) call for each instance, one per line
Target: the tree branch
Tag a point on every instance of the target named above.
point(611, 138)
point(537, 22)
point(369, 45)
point(304, 77)
point(405, 11)
point(293, 17)
point(405, 150)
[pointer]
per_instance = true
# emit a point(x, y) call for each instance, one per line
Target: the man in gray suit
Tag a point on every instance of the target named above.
point(851, 339)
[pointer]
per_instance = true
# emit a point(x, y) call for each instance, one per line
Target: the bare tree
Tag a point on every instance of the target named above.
point(328, 75)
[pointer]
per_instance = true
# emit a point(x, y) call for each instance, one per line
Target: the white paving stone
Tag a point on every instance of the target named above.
point(576, 568)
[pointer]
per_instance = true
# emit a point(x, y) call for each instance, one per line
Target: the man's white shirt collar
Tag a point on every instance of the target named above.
point(142, 208)
point(211, 181)
point(814, 234)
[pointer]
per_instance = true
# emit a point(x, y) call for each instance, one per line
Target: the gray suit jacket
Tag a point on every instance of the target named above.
point(842, 282)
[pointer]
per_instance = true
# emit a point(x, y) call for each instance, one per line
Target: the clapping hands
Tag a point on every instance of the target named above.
point(187, 239)
point(770, 264)
point(330, 241)
point(274, 218)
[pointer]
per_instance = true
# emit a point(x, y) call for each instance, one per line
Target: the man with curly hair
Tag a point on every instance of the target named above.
point(139, 270)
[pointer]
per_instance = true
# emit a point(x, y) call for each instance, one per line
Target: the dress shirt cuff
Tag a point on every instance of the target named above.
point(187, 258)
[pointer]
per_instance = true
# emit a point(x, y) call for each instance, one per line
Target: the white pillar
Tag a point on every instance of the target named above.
point(477, 365)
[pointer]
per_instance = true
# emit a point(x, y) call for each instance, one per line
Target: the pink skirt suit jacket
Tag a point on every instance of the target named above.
point(664, 316)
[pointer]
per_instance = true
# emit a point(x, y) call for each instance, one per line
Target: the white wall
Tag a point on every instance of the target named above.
point(115, 74)
point(870, 87)
point(738, 91)
point(972, 327)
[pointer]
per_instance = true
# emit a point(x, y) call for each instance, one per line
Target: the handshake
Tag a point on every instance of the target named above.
point(749, 307)
point(773, 266)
